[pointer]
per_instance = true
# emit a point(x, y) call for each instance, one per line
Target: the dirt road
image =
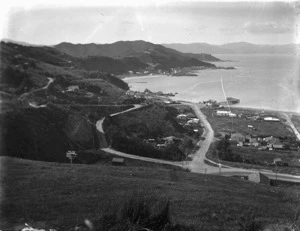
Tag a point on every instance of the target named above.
point(291, 125)
point(198, 164)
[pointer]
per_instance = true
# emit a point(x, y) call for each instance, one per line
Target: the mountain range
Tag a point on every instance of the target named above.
point(138, 52)
point(235, 48)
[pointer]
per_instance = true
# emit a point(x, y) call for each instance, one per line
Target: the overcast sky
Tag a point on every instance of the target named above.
point(181, 22)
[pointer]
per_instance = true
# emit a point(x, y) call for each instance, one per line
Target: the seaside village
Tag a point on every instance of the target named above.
point(251, 140)
point(188, 121)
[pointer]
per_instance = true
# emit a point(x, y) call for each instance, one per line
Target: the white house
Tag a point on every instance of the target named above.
point(193, 121)
point(232, 115)
point(271, 119)
point(250, 127)
point(223, 113)
point(181, 117)
point(73, 88)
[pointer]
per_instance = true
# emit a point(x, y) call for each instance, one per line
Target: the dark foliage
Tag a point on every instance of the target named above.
point(139, 213)
point(110, 65)
point(38, 134)
point(225, 152)
point(136, 146)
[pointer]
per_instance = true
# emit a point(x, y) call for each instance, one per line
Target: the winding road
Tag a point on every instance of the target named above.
point(50, 80)
point(198, 164)
point(290, 123)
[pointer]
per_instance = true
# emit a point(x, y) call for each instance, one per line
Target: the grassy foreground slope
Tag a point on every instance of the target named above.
point(63, 195)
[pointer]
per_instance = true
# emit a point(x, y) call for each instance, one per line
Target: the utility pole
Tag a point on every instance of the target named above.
point(276, 172)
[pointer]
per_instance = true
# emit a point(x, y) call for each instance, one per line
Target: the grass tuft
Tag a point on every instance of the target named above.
point(139, 212)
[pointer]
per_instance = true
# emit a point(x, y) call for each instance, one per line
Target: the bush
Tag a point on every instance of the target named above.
point(139, 213)
point(136, 146)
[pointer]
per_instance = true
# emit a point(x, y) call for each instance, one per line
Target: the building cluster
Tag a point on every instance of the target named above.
point(214, 104)
point(164, 142)
point(189, 121)
point(251, 117)
point(147, 93)
point(262, 143)
point(83, 92)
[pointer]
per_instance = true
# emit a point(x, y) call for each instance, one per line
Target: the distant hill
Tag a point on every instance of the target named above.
point(197, 48)
point(46, 133)
point(148, 53)
point(236, 48)
point(33, 64)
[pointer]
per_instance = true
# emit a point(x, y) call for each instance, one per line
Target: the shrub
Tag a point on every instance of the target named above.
point(139, 213)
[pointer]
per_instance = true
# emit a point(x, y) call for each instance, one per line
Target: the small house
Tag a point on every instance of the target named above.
point(181, 117)
point(90, 94)
point(194, 121)
point(250, 127)
point(271, 119)
point(240, 144)
point(252, 117)
point(278, 145)
point(118, 161)
point(171, 140)
point(248, 138)
point(271, 139)
point(130, 93)
point(211, 103)
point(73, 88)
point(277, 160)
point(161, 146)
point(232, 115)
point(258, 177)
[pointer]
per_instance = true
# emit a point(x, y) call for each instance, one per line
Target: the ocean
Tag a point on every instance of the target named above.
point(259, 81)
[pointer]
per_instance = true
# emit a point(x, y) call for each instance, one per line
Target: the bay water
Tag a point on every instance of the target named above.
point(259, 81)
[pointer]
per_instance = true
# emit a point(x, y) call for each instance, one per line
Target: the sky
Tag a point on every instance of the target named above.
point(222, 22)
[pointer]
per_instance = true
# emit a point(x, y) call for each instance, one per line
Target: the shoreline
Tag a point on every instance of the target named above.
point(265, 109)
point(182, 96)
point(237, 106)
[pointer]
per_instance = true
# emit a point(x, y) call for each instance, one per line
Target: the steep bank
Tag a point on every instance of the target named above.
point(46, 133)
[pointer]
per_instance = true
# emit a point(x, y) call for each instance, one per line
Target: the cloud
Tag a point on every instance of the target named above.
point(230, 30)
point(267, 28)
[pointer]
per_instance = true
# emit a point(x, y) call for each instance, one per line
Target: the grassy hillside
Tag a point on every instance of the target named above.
point(46, 133)
point(114, 66)
point(61, 196)
point(24, 69)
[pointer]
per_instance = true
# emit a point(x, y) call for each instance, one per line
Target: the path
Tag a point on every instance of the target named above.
point(39, 89)
point(99, 123)
point(290, 123)
point(153, 160)
point(198, 164)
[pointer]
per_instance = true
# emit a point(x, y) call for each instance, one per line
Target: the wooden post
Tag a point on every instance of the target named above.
point(71, 155)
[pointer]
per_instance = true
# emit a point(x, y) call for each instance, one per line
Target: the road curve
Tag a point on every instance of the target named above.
point(198, 164)
point(99, 123)
point(50, 80)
